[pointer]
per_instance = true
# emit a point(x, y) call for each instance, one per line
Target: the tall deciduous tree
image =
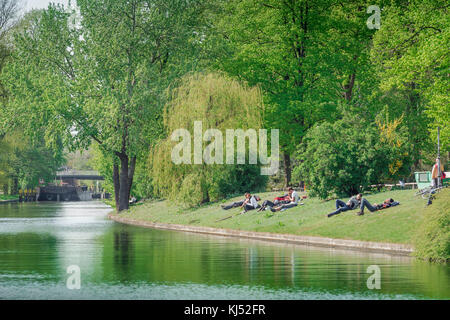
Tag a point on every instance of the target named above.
point(97, 73)
point(411, 53)
point(309, 56)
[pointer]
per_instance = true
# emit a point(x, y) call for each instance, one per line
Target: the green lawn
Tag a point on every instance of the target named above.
point(8, 197)
point(397, 224)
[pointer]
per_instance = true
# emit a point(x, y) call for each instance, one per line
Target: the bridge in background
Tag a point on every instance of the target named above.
point(78, 175)
point(70, 189)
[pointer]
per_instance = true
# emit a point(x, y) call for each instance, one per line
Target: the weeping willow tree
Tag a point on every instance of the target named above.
point(219, 103)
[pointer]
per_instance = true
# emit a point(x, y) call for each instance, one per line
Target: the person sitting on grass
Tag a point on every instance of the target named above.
point(386, 204)
point(293, 201)
point(277, 201)
point(251, 202)
point(241, 204)
point(353, 203)
point(235, 204)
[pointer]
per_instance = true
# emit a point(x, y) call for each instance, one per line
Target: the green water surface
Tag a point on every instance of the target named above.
point(39, 241)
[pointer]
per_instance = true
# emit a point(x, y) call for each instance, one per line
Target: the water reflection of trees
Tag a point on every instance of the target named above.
point(123, 254)
point(29, 253)
point(174, 257)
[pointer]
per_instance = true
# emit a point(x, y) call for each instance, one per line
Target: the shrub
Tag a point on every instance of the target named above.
point(347, 156)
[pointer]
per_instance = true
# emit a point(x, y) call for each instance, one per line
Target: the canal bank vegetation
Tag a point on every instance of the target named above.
point(394, 225)
point(433, 237)
point(25, 161)
point(95, 74)
point(7, 197)
point(98, 72)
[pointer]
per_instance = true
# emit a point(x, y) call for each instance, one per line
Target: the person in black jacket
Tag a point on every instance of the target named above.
point(353, 203)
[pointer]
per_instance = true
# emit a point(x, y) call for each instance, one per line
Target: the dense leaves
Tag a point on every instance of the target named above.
point(411, 54)
point(98, 74)
point(347, 156)
point(354, 105)
point(218, 103)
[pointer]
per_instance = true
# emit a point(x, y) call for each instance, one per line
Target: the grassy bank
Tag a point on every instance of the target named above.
point(398, 224)
point(433, 237)
point(8, 197)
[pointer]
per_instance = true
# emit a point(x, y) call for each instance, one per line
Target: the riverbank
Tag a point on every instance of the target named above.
point(392, 248)
point(135, 263)
point(8, 199)
point(397, 225)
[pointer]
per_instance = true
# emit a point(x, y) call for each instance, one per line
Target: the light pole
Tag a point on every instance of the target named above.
point(438, 158)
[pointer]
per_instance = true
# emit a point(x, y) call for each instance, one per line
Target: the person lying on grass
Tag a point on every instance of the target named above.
point(293, 201)
point(386, 204)
point(285, 199)
point(236, 204)
point(249, 203)
point(353, 203)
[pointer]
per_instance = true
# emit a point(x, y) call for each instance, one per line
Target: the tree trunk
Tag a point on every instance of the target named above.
point(123, 180)
point(124, 183)
point(287, 169)
point(131, 174)
point(116, 185)
point(5, 189)
point(349, 87)
point(15, 186)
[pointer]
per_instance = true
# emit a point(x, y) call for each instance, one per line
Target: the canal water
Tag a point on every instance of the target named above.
point(39, 241)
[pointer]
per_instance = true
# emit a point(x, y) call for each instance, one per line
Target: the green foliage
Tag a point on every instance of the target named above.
point(24, 161)
point(142, 183)
point(273, 44)
point(347, 156)
point(433, 237)
point(99, 73)
point(220, 103)
point(410, 52)
point(309, 57)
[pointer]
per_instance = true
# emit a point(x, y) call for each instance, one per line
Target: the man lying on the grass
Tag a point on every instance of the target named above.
point(293, 202)
point(353, 203)
point(386, 204)
point(249, 203)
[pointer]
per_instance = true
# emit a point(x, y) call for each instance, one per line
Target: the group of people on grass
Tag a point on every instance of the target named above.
point(359, 202)
point(291, 200)
point(287, 201)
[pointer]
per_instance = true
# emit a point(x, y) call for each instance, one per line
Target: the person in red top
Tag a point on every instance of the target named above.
point(435, 174)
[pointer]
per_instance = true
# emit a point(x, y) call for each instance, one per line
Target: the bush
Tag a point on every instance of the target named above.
point(347, 156)
point(433, 237)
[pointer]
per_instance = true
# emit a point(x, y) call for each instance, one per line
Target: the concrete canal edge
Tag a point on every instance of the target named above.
point(380, 247)
point(9, 201)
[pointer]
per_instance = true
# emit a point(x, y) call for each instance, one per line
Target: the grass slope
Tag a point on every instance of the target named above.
point(8, 197)
point(433, 237)
point(397, 224)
